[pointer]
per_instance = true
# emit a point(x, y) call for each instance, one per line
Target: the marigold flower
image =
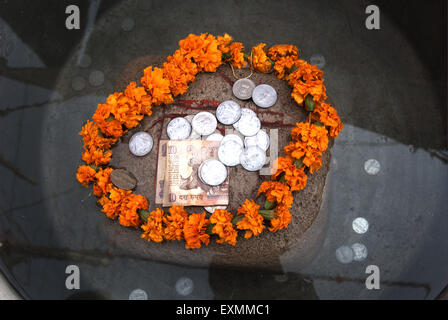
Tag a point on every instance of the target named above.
point(85, 175)
point(224, 43)
point(175, 222)
point(96, 156)
point(252, 221)
point(203, 49)
point(124, 109)
point(237, 55)
point(294, 177)
point(194, 231)
point(282, 218)
point(284, 66)
point(140, 96)
point(260, 60)
point(112, 203)
point(329, 117)
point(312, 158)
point(105, 121)
point(128, 215)
point(307, 80)
point(92, 136)
point(102, 183)
point(276, 192)
point(223, 227)
point(158, 86)
point(314, 136)
point(283, 50)
point(153, 229)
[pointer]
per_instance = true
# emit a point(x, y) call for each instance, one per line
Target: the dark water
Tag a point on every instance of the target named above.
point(388, 84)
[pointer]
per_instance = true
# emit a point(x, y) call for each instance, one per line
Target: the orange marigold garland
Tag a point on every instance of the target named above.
point(205, 53)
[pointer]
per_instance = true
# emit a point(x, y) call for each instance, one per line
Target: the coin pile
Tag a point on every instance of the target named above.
point(247, 146)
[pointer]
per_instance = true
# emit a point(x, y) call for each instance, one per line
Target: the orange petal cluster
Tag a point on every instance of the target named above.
point(252, 221)
point(85, 175)
point(175, 222)
point(102, 183)
point(237, 55)
point(203, 50)
point(282, 218)
point(223, 227)
point(295, 178)
point(260, 60)
point(309, 141)
point(194, 231)
point(307, 80)
point(283, 50)
point(276, 192)
point(153, 229)
point(329, 117)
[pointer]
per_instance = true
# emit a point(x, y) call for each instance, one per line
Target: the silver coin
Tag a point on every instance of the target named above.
point(189, 117)
point(372, 166)
point(344, 254)
point(359, 252)
point(213, 208)
point(138, 294)
point(245, 112)
point(264, 96)
point(228, 112)
point(253, 158)
point(360, 225)
point(204, 123)
point(213, 172)
point(141, 144)
point(250, 141)
point(178, 129)
point(215, 137)
point(184, 286)
point(229, 153)
point(249, 125)
point(243, 88)
point(261, 139)
point(234, 137)
point(194, 135)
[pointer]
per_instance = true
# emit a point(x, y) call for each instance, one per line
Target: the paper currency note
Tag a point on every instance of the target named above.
point(161, 165)
point(182, 185)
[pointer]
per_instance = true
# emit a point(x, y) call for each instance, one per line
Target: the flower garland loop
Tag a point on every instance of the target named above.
point(205, 53)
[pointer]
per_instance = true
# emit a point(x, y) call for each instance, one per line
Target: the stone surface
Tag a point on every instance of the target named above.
point(205, 94)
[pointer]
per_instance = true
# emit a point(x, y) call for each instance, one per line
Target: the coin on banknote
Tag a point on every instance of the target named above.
point(264, 96)
point(253, 158)
point(228, 112)
point(213, 172)
point(249, 125)
point(213, 208)
point(215, 137)
point(242, 88)
point(141, 144)
point(204, 123)
point(234, 137)
point(261, 139)
point(229, 153)
point(178, 129)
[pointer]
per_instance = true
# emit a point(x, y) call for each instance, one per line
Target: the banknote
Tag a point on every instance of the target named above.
point(181, 184)
point(161, 165)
